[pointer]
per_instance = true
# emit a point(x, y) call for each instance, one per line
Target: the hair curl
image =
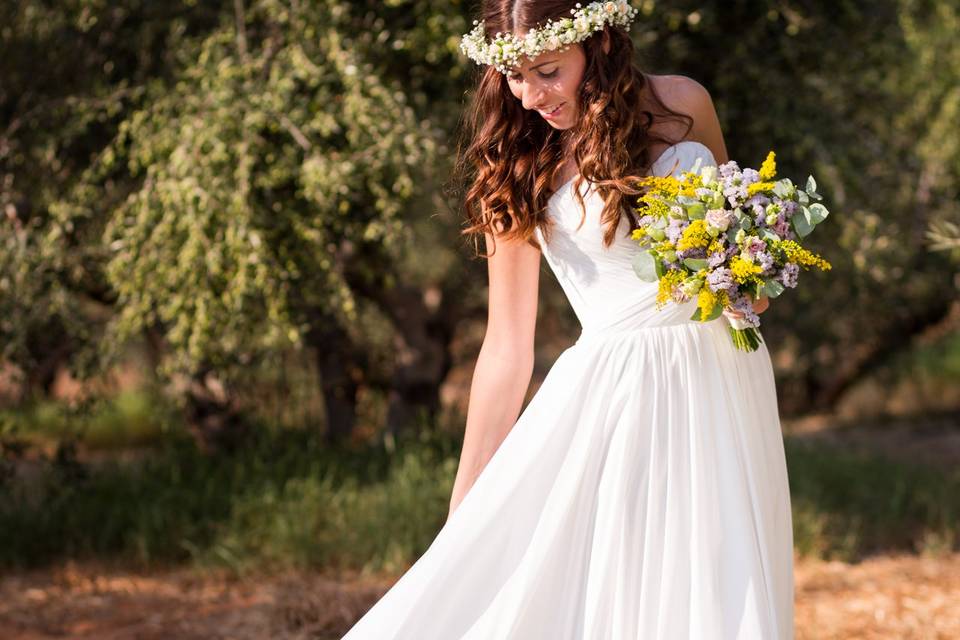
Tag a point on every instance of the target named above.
point(512, 155)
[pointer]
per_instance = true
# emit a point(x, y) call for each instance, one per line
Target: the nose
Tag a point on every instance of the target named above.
point(532, 95)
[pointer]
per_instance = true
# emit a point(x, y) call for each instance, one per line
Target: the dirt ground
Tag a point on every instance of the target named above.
point(884, 597)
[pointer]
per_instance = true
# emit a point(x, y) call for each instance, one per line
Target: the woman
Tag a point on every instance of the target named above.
point(643, 491)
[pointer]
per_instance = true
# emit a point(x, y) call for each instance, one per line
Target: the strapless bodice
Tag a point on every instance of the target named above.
point(599, 281)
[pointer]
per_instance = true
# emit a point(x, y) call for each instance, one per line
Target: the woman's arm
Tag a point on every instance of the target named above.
point(505, 363)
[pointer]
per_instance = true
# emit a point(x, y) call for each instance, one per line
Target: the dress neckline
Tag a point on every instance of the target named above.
point(652, 165)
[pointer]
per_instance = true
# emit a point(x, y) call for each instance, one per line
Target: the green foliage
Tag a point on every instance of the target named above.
point(291, 501)
point(287, 500)
point(849, 505)
point(129, 419)
point(240, 177)
point(276, 155)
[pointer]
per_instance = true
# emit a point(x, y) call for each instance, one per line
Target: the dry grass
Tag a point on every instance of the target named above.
point(903, 597)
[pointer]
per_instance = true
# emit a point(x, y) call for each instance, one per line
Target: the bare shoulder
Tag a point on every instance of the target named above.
point(685, 95)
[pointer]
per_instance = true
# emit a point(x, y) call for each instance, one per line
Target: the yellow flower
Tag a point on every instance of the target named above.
point(769, 167)
point(694, 236)
point(757, 187)
point(795, 253)
point(668, 281)
point(670, 187)
point(638, 233)
point(654, 206)
point(706, 300)
point(744, 271)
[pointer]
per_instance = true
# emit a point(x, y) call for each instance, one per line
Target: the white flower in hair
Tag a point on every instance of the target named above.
point(505, 50)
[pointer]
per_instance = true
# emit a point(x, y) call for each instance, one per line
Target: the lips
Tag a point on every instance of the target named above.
point(555, 109)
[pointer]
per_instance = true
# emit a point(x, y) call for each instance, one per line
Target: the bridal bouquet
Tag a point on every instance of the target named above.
point(727, 237)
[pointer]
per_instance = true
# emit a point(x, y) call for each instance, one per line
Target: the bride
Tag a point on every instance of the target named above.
point(642, 493)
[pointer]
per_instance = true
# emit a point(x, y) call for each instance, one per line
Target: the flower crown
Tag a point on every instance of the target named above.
point(504, 51)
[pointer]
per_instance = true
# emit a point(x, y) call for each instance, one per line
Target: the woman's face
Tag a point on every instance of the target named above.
point(548, 84)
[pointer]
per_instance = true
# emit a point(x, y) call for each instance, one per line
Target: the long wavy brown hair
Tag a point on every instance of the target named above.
point(510, 156)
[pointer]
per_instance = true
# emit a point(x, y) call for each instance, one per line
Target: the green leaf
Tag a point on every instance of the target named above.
point(783, 188)
point(695, 264)
point(811, 185)
point(645, 266)
point(696, 211)
point(801, 223)
point(772, 288)
point(818, 213)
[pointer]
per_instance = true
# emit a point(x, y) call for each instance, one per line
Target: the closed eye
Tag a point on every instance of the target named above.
point(545, 76)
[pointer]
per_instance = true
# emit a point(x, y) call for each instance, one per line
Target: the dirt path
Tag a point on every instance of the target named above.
point(886, 597)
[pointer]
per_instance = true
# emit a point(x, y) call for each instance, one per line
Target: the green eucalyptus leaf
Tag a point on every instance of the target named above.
point(801, 224)
point(818, 213)
point(768, 235)
point(645, 266)
point(772, 288)
point(696, 211)
point(661, 269)
point(695, 264)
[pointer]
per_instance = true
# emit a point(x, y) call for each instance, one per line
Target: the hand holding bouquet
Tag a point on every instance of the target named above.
point(728, 237)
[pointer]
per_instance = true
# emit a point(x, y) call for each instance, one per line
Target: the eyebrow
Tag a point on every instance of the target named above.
point(543, 63)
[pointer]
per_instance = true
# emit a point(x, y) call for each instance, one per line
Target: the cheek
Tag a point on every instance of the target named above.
point(566, 88)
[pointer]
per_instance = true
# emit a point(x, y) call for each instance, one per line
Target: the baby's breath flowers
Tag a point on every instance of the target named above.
point(505, 50)
point(726, 237)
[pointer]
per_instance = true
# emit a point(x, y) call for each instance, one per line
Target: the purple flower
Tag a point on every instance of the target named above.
point(716, 259)
point(675, 229)
point(750, 176)
point(721, 280)
point(734, 191)
point(754, 245)
point(728, 169)
point(788, 275)
point(765, 260)
point(744, 305)
point(781, 228)
point(695, 252)
point(788, 207)
point(759, 217)
point(757, 199)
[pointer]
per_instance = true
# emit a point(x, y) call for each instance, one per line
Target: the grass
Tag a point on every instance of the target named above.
point(848, 505)
point(287, 500)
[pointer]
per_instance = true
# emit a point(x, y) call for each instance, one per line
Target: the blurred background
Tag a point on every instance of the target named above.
point(238, 321)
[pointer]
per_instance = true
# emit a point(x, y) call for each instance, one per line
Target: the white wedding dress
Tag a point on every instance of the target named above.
point(642, 493)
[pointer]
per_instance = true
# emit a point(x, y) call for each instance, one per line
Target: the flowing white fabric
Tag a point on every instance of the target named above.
point(642, 492)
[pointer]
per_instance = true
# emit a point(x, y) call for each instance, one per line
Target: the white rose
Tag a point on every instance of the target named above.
point(719, 218)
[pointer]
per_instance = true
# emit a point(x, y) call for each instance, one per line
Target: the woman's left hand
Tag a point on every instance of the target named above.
point(759, 306)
